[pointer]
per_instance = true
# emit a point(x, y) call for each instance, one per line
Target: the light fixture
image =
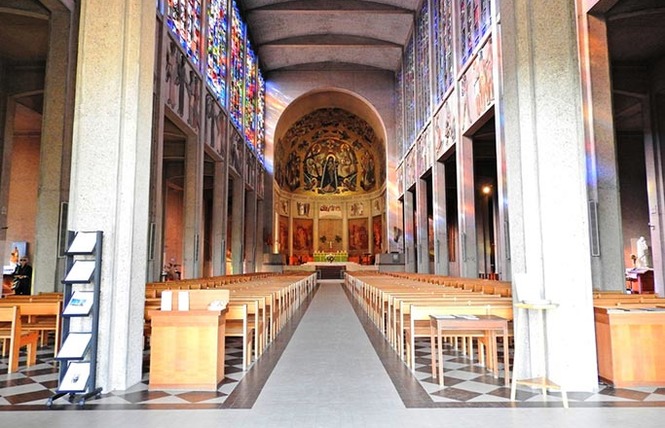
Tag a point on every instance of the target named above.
point(486, 189)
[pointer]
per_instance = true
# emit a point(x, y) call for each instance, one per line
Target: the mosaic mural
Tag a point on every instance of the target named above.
point(330, 152)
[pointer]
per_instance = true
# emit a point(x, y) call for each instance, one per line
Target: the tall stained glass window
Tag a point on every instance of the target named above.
point(249, 117)
point(260, 116)
point(399, 122)
point(184, 20)
point(475, 19)
point(236, 90)
point(442, 46)
point(422, 60)
point(409, 93)
point(218, 19)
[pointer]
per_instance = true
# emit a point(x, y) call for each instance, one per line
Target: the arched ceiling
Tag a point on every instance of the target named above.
point(326, 34)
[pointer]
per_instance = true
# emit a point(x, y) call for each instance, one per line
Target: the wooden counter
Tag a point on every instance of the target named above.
point(630, 346)
point(187, 349)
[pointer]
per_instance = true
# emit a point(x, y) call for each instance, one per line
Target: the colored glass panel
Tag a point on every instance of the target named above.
point(409, 93)
point(422, 61)
point(218, 20)
point(442, 46)
point(399, 120)
point(238, 30)
point(260, 116)
point(475, 19)
point(184, 21)
point(249, 118)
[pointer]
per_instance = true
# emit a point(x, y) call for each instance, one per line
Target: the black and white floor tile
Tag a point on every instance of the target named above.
point(467, 383)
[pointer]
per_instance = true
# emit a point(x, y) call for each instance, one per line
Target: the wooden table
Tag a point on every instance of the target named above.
point(449, 322)
point(187, 349)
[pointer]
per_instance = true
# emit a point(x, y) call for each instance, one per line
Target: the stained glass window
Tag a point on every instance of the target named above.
point(184, 20)
point(475, 19)
point(238, 30)
point(218, 20)
point(260, 116)
point(249, 117)
point(409, 94)
point(399, 123)
point(422, 61)
point(442, 46)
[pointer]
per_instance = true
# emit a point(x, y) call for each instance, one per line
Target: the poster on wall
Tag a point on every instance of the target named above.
point(358, 236)
point(17, 250)
point(303, 236)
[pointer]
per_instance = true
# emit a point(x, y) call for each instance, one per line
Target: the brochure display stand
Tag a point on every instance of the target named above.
point(78, 351)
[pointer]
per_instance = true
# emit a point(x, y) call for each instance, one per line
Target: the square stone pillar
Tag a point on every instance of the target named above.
point(110, 172)
point(547, 184)
point(440, 220)
point(409, 234)
point(422, 226)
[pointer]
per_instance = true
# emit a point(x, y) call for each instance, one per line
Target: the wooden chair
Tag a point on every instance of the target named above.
point(11, 331)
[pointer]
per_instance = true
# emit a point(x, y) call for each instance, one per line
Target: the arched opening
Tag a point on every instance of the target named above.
point(330, 176)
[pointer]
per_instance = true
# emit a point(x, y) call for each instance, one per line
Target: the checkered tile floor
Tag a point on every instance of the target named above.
point(34, 385)
point(467, 385)
point(467, 381)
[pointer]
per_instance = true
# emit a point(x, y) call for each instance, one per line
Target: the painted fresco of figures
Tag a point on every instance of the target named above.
point(347, 170)
point(329, 179)
point(377, 233)
point(313, 167)
point(368, 179)
point(293, 172)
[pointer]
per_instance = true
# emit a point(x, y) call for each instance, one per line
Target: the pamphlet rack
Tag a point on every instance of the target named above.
point(80, 315)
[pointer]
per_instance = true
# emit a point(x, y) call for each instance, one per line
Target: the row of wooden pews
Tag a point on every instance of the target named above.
point(401, 305)
point(257, 305)
point(26, 319)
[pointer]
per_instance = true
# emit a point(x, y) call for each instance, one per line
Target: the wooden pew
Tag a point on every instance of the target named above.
point(11, 331)
point(42, 316)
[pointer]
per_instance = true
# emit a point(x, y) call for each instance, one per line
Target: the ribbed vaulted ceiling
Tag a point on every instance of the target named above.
point(327, 34)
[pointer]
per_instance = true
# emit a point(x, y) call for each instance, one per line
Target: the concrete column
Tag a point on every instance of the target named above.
point(607, 262)
point(193, 209)
point(409, 237)
point(238, 225)
point(440, 220)
point(345, 227)
point(466, 194)
point(315, 229)
point(259, 242)
point(370, 235)
point(109, 177)
point(422, 261)
point(547, 177)
point(56, 133)
point(250, 232)
point(218, 219)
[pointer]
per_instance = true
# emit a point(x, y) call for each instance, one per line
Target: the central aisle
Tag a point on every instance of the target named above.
point(329, 363)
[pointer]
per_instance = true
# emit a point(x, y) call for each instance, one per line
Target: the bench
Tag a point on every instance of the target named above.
point(11, 331)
